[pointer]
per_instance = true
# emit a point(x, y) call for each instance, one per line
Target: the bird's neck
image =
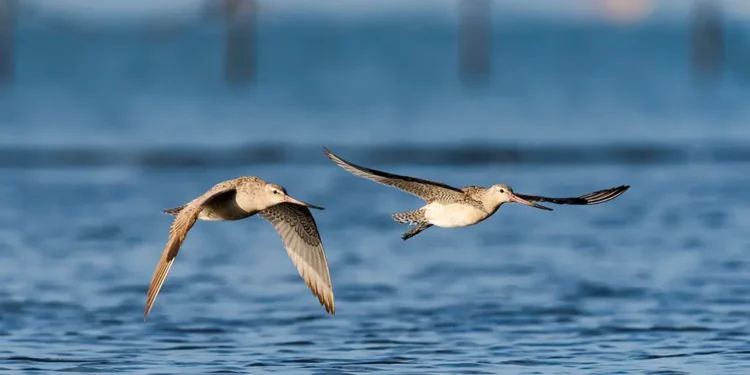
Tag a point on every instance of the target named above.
point(489, 202)
point(249, 202)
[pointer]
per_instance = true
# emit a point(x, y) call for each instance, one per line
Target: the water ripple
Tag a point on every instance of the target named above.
point(470, 154)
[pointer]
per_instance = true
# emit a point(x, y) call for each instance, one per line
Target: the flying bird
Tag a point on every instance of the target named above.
point(451, 207)
point(241, 198)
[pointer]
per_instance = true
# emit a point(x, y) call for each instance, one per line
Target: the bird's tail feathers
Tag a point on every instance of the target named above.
point(410, 217)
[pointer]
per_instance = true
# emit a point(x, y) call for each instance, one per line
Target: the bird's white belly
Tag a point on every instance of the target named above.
point(453, 215)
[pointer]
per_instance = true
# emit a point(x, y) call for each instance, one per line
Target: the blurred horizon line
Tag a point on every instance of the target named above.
point(609, 10)
point(456, 154)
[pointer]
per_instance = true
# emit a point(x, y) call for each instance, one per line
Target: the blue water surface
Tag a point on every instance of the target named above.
point(101, 130)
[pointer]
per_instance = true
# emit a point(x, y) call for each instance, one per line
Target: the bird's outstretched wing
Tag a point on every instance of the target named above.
point(182, 223)
point(299, 233)
point(425, 189)
point(596, 197)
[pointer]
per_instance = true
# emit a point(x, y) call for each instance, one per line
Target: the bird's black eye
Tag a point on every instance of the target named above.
point(502, 190)
point(275, 191)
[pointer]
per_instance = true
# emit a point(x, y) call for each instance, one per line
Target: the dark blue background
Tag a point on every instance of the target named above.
point(104, 127)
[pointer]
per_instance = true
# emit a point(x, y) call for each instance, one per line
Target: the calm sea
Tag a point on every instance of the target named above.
point(103, 128)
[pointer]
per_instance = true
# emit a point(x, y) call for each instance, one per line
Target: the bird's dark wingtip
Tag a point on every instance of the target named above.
point(621, 189)
point(611, 194)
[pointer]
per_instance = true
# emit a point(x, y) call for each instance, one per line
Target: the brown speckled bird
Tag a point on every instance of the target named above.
point(241, 198)
point(451, 207)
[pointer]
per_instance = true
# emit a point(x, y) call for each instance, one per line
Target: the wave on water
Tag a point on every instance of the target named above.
point(455, 154)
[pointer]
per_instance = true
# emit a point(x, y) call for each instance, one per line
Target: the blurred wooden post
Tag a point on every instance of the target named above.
point(239, 48)
point(475, 41)
point(707, 40)
point(8, 10)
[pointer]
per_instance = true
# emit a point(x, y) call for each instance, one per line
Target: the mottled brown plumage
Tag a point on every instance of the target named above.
point(241, 198)
point(450, 207)
point(430, 191)
point(297, 229)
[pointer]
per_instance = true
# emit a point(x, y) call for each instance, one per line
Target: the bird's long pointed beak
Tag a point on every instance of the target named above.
point(515, 198)
point(301, 203)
